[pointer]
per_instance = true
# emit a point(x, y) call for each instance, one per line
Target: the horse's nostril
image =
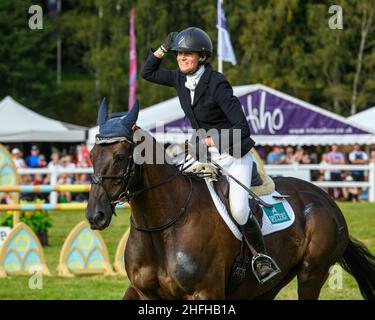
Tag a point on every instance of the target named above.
point(99, 219)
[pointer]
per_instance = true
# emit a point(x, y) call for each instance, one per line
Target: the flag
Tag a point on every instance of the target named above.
point(224, 48)
point(133, 62)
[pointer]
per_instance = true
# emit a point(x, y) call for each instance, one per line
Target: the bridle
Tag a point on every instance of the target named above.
point(126, 195)
point(125, 178)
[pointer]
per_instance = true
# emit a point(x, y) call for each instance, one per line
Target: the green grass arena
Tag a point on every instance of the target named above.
point(360, 218)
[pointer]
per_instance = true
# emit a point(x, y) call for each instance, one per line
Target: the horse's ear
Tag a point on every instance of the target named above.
point(103, 112)
point(131, 118)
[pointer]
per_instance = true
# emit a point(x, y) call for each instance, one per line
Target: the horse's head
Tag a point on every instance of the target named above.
point(113, 164)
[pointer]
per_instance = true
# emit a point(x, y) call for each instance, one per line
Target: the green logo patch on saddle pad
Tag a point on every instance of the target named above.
point(277, 214)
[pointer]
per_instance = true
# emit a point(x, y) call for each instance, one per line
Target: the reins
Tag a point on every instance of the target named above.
point(171, 222)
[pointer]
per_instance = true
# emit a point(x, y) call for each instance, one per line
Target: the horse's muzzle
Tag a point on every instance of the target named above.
point(98, 220)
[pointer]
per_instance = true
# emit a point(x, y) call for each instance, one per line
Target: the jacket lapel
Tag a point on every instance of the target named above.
point(203, 84)
point(185, 92)
point(185, 99)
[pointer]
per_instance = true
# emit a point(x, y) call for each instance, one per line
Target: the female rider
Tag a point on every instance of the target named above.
point(208, 101)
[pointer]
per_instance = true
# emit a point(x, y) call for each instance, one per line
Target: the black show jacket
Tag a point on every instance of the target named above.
point(214, 105)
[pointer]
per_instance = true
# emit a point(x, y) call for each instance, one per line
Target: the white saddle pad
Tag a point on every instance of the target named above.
point(279, 217)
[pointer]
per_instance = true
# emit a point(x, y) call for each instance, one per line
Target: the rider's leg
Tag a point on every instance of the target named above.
point(240, 168)
point(239, 204)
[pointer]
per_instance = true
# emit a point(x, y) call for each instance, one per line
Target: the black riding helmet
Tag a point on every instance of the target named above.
point(192, 40)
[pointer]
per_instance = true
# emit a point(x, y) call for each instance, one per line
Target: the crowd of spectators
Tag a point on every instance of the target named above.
point(289, 155)
point(279, 156)
point(57, 160)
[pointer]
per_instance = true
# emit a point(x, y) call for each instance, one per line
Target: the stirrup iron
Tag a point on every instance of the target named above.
point(274, 267)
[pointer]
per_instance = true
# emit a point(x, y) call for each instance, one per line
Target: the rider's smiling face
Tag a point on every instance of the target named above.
point(187, 61)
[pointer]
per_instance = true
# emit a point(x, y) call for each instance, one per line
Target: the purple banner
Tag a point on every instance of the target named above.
point(270, 114)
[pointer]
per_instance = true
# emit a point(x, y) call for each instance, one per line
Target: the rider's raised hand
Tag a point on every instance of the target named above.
point(167, 44)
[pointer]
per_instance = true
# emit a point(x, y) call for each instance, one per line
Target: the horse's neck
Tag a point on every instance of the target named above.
point(157, 206)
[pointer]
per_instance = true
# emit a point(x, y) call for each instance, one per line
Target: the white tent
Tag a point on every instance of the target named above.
point(364, 118)
point(274, 118)
point(19, 124)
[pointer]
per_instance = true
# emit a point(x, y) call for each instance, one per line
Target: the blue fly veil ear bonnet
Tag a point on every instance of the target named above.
point(117, 126)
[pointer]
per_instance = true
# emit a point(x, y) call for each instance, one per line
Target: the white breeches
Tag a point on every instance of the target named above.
point(241, 169)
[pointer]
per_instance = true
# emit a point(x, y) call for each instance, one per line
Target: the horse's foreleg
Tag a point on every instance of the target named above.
point(133, 294)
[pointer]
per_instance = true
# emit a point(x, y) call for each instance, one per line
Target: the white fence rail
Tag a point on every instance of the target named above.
point(304, 172)
point(297, 170)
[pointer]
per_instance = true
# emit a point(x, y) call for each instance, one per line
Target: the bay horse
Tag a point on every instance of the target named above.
point(180, 248)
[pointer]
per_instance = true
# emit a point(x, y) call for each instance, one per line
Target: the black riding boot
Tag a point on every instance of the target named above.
point(263, 263)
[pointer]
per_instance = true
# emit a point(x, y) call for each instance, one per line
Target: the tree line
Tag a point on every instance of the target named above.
point(285, 44)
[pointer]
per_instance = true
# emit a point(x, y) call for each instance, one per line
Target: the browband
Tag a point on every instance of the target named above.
point(105, 139)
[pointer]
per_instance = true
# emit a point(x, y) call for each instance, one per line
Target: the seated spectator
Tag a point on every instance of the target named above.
point(39, 179)
point(66, 178)
point(324, 174)
point(26, 179)
point(42, 163)
point(17, 158)
point(55, 161)
point(83, 164)
point(67, 164)
point(65, 197)
point(84, 154)
point(276, 156)
point(299, 154)
point(306, 159)
point(289, 157)
point(32, 160)
point(335, 157)
point(357, 156)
